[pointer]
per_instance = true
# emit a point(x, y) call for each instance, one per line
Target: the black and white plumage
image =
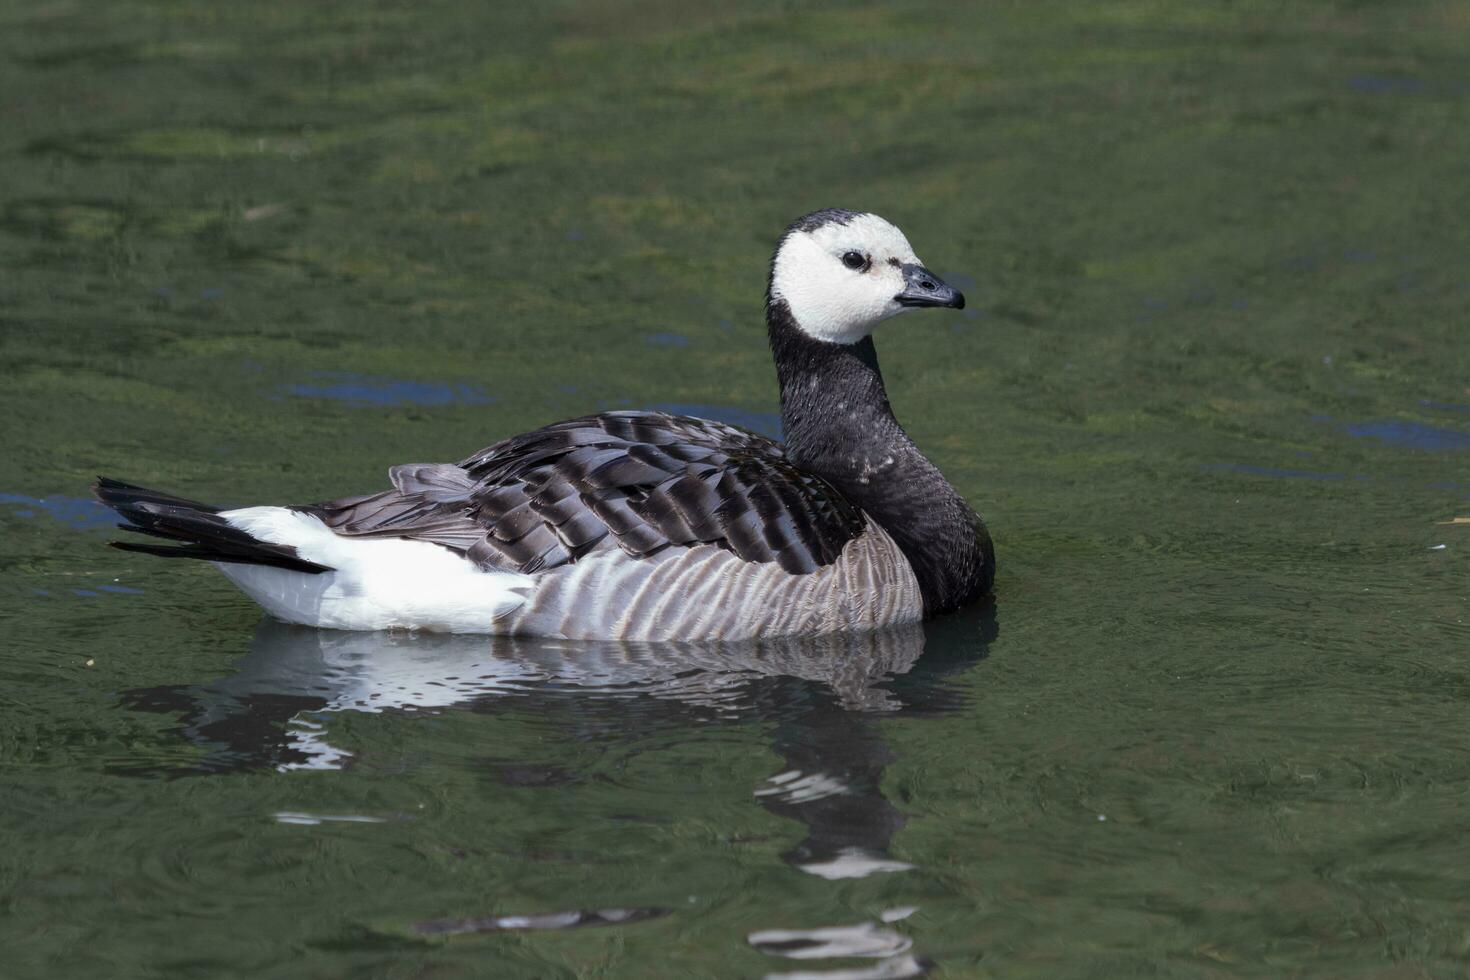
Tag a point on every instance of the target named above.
point(643, 525)
point(638, 481)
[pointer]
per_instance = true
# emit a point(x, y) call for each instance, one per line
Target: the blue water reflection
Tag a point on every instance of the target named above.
point(1410, 435)
point(365, 391)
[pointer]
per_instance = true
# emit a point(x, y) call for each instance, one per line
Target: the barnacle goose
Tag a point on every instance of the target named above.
point(643, 525)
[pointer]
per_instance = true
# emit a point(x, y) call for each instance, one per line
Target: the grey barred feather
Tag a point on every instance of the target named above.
point(644, 482)
point(706, 592)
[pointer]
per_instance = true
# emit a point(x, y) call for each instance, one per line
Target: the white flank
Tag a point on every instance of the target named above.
point(377, 583)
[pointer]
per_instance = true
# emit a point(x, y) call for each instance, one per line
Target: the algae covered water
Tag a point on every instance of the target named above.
point(1212, 394)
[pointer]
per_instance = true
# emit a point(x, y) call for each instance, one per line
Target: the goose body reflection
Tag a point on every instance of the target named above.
point(377, 671)
point(301, 671)
point(268, 710)
point(816, 699)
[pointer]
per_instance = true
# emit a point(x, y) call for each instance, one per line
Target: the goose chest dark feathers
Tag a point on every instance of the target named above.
point(643, 525)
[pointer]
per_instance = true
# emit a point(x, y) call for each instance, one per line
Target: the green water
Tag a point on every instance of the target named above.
point(1212, 394)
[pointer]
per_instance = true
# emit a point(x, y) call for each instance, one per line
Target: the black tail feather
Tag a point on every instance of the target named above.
point(202, 533)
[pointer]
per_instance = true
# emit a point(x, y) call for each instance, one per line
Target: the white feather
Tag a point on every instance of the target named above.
point(376, 583)
point(828, 300)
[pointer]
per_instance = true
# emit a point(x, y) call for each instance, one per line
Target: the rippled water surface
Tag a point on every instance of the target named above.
point(1211, 393)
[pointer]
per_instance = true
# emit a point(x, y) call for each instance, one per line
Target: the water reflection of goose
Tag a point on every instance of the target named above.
point(821, 693)
point(374, 671)
point(644, 525)
point(821, 697)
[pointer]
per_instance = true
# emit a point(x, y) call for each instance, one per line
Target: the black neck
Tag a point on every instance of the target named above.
point(839, 426)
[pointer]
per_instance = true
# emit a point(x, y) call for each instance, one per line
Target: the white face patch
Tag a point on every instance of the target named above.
point(828, 299)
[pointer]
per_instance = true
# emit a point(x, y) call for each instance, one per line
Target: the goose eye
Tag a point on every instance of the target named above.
point(855, 260)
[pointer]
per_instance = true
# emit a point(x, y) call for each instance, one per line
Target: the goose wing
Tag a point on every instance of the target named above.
point(639, 481)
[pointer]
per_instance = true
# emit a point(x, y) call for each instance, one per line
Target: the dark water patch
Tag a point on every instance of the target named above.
point(1410, 435)
point(173, 143)
point(967, 285)
point(81, 513)
point(60, 218)
point(530, 775)
point(1017, 314)
point(83, 149)
point(765, 423)
point(1273, 472)
point(365, 391)
point(92, 592)
point(960, 281)
point(1152, 306)
point(666, 339)
point(88, 55)
point(1386, 84)
point(578, 919)
point(1443, 406)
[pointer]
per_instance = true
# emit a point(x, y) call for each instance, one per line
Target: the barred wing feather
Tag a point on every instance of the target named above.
point(639, 481)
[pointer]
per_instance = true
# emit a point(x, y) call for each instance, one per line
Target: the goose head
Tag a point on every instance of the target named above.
point(841, 273)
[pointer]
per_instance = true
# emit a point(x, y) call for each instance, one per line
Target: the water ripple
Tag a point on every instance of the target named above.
point(81, 513)
point(1410, 435)
point(577, 919)
point(364, 391)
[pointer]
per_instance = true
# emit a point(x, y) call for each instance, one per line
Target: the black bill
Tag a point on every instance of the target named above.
point(923, 288)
